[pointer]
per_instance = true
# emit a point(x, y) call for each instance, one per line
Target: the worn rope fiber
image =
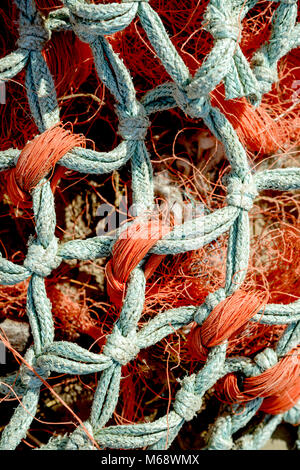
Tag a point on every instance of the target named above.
point(225, 63)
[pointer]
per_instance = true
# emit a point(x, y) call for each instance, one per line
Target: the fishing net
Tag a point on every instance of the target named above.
point(188, 307)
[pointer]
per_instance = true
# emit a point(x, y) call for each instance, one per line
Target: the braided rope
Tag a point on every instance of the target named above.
point(226, 62)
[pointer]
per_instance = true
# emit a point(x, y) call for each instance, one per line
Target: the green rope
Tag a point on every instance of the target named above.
point(225, 63)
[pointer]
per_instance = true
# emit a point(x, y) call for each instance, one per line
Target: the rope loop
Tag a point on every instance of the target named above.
point(133, 127)
point(264, 72)
point(37, 159)
point(129, 250)
point(240, 193)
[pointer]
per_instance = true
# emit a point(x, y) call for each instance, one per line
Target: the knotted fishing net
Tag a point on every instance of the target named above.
point(199, 319)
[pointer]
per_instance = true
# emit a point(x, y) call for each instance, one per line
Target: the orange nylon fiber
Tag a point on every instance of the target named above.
point(37, 159)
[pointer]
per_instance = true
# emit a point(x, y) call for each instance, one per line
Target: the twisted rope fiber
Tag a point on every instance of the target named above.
point(91, 23)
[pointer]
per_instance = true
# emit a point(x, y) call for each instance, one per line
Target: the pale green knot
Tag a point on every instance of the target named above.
point(40, 260)
point(187, 402)
point(224, 29)
point(287, 2)
point(211, 302)
point(196, 107)
point(221, 436)
point(33, 34)
point(221, 21)
point(266, 359)
point(265, 73)
point(133, 127)
point(79, 440)
point(245, 442)
point(11, 384)
point(122, 349)
point(28, 378)
point(240, 193)
point(292, 416)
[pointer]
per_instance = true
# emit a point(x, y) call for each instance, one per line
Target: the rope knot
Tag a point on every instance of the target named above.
point(197, 346)
point(83, 30)
point(91, 21)
point(121, 349)
point(42, 260)
point(28, 378)
point(187, 402)
point(195, 107)
point(34, 33)
point(274, 380)
point(221, 21)
point(221, 436)
point(212, 300)
point(133, 127)
point(292, 416)
point(286, 2)
point(241, 194)
point(37, 159)
point(265, 74)
point(79, 440)
point(266, 359)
